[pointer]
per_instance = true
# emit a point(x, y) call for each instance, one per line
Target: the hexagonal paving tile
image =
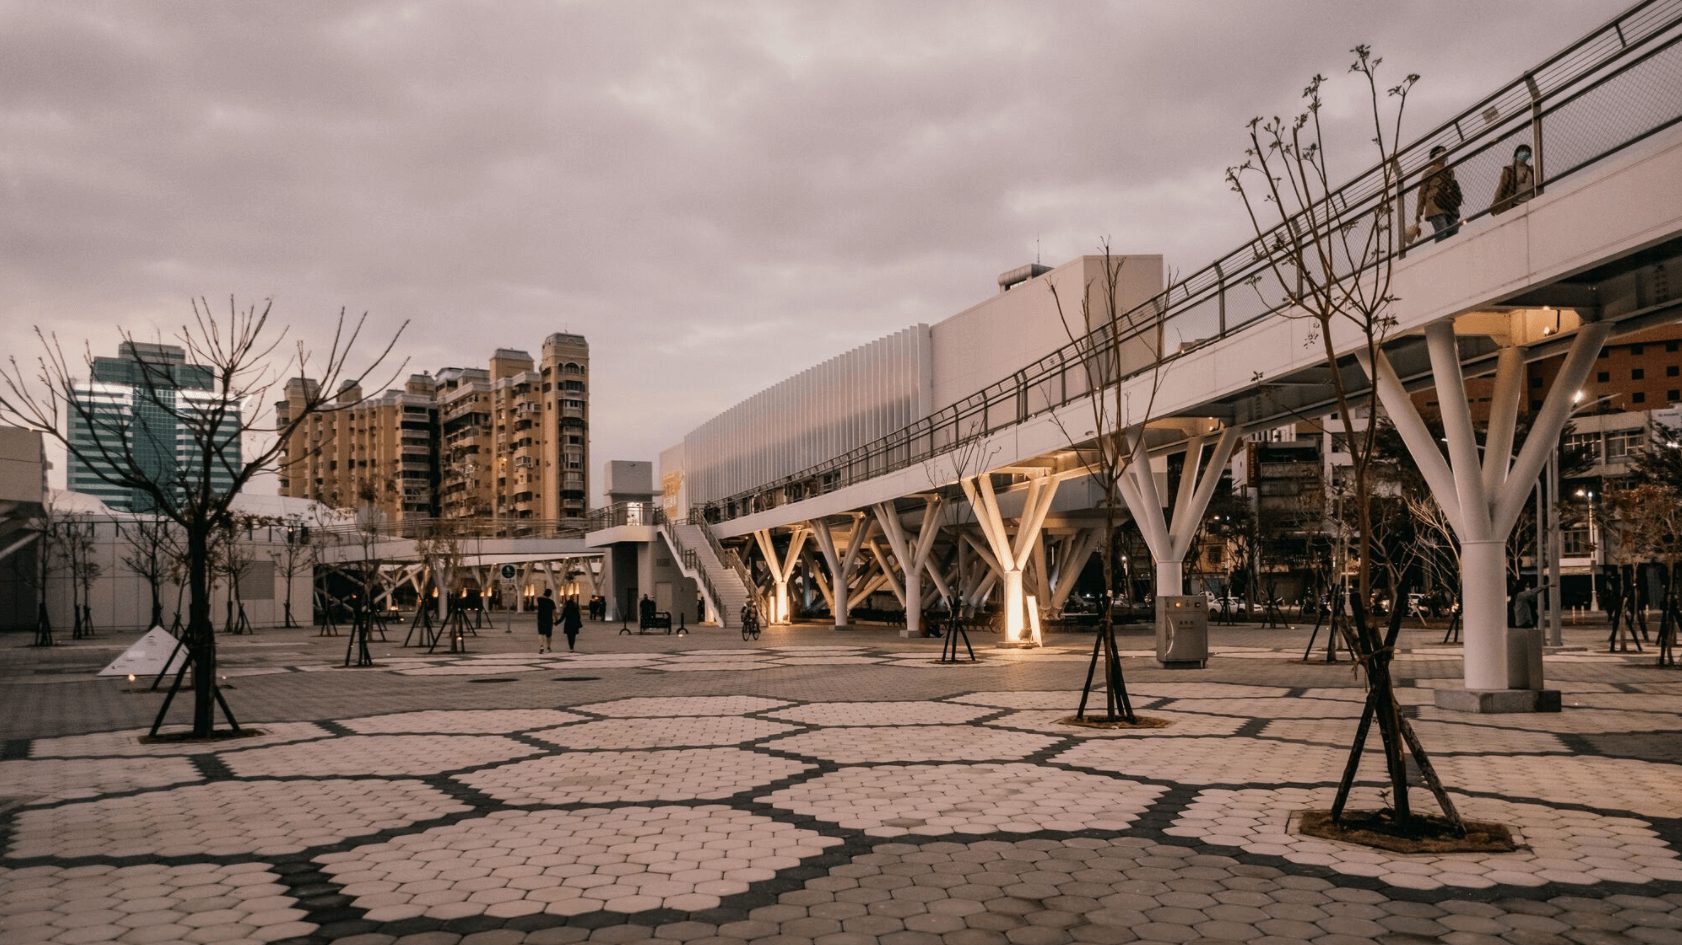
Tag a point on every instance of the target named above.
point(202, 902)
point(1562, 846)
point(461, 721)
point(879, 713)
point(1436, 736)
point(1180, 723)
point(468, 669)
point(128, 743)
point(57, 779)
point(1574, 721)
point(583, 777)
point(1210, 760)
point(644, 732)
point(626, 859)
point(1027, 699)
point(894, 800)
point(377, 754)
point(860, 744)
point(1276, 708)
point(711, 665)
point(227, 817)
point(1218, 691)
point(1625, 784)
point(682, 705)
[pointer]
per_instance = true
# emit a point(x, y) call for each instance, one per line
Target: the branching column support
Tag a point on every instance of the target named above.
point(1011, 556)
point(912, 550)
point(781, 568)
point(1482, 499)
point(1072, 556)
point(841, 564)
point(1169, 544)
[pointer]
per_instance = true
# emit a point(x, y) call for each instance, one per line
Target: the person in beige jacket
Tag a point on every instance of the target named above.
point(1518, 182)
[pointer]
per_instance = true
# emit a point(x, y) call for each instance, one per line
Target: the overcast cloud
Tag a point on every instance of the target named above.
point(716, 194)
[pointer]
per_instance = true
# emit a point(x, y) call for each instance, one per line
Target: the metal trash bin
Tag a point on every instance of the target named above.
point(1182, 631)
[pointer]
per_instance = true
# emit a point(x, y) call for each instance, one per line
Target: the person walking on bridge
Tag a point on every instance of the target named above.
point(1518, 182)
point(1439, 196)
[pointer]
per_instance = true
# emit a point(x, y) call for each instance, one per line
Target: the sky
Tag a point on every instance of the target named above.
point(716, 194)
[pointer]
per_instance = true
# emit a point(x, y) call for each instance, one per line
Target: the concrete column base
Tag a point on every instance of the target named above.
point(1493, 701)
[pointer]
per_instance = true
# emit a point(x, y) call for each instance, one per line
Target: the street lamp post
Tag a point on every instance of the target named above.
point(1594, 552)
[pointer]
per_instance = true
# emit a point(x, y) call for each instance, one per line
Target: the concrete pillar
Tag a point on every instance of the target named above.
point(1483, 605)
point(1482, 496)
point(1011, 555)
point(1169, 543)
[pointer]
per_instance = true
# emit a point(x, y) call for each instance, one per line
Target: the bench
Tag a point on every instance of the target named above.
point(655, 620)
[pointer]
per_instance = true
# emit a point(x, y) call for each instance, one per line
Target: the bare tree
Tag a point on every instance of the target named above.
point(297, 556)
point(147, 543)
point(197, 492)
point(1331, 262)
point(76, 538)
point(1109, 343)
point(48, 525)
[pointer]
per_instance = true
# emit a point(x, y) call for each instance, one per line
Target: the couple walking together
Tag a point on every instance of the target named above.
point(571, 620)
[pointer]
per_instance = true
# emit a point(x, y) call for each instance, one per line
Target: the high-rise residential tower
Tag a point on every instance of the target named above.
point(506, 441)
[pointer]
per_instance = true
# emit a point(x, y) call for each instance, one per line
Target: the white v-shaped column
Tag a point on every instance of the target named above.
point(912, 552)
point(782, 568)
point(841, 564)
point(1011, 552)
point(1482, 499)
point(1169, 543)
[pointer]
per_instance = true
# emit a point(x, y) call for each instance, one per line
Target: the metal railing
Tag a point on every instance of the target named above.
point(625, 513)
point(730, 559)
point(1615, 87)
point(692, 562)
point(457, 528)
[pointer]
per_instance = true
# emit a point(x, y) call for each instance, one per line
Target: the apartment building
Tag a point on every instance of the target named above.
point(505, 441)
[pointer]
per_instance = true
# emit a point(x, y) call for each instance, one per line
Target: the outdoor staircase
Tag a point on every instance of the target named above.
point(699, 555)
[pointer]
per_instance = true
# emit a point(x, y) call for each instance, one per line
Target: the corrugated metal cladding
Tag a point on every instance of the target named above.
point(813, 416)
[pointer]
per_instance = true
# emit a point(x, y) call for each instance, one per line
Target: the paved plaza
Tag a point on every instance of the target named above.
point(814, 786)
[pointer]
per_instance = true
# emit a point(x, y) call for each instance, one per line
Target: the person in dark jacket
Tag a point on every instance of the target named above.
point(1439, 196)
point(546, 620)
point(571, 621)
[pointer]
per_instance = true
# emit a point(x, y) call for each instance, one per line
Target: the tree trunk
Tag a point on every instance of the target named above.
point(201, 631)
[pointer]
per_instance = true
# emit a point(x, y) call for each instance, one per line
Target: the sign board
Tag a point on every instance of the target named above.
point(148, 655)
point(508, 572)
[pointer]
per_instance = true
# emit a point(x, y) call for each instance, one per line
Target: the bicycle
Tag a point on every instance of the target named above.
point(750, 622)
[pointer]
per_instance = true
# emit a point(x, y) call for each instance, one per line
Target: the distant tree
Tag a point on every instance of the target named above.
point(148, 552)
point(1111, 343)
point(236, 351)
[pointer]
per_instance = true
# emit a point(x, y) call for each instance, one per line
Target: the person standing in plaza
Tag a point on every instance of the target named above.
point(546, 619)
point(571, 621)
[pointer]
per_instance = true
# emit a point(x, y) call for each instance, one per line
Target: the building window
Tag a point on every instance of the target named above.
point(1636, 349)
point(1535, 382)
point(1603, 376)
point(1672, 370)
point(1637, 374)
point(1585, 442)
point(1673, 345)
point(1621, 443)
point(1639, 397)
point(1673, 395)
